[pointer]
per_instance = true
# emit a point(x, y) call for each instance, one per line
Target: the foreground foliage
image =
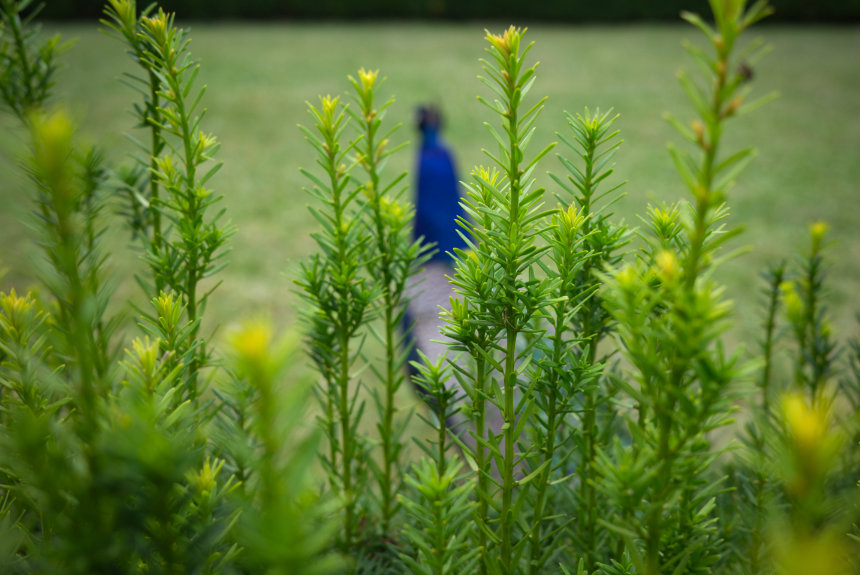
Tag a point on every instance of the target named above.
point(589, 373)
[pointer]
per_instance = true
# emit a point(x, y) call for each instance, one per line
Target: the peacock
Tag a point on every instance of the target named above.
point(437, 207)
point(437, 203)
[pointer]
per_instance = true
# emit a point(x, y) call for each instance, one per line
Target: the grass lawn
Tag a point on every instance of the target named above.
point(259, 77)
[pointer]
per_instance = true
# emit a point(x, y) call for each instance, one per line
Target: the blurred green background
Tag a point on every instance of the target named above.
point(575, 11)
point(259, 77)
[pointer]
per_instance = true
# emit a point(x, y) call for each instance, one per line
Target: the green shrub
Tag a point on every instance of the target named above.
point(592, 375)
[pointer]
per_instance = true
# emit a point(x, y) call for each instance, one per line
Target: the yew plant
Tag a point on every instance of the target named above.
point(170, 208)
point(670, 315)
point(586, 363)
point(114, 456)
point(340, 303)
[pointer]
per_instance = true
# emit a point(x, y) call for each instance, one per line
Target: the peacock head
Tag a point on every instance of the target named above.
point(429, 119)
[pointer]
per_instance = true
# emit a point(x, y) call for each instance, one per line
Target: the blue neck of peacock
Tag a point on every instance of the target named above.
point(431, 138)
